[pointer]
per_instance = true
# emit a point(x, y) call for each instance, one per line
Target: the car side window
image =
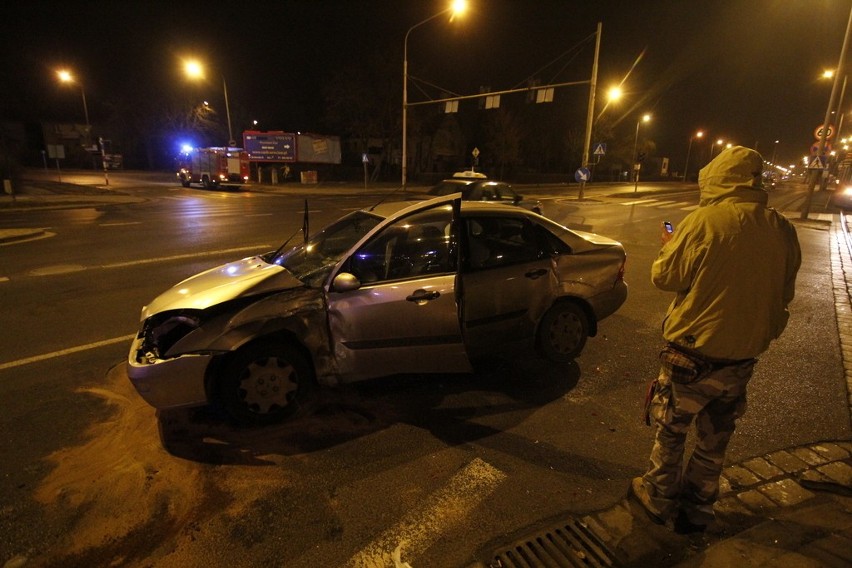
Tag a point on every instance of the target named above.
point(502, 241)
point(412, 247)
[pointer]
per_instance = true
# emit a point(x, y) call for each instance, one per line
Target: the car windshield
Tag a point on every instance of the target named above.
point(311, 262)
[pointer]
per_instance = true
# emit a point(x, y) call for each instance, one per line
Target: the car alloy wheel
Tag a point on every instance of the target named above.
point(563, 332)
point(264, 382)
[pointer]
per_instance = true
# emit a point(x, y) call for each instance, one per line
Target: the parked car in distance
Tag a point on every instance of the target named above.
point(475, 186)
point(424, 287)
point(842, 197)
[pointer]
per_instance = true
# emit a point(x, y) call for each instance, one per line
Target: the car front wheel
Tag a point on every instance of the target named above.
point(264, 382)
point(562, 332)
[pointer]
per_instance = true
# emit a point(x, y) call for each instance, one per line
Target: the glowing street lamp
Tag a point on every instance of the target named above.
point(645, 118)
point(65, 76)
point(699, 134)
point(194, 70)
point(457, 8)
point(719, 142)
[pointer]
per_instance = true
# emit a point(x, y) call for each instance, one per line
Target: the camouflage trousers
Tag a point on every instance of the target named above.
point(714, 400)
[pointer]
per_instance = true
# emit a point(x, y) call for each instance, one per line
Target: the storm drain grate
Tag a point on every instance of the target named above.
point(570, 544)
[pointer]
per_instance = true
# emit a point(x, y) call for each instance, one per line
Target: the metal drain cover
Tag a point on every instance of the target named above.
point(570, 543)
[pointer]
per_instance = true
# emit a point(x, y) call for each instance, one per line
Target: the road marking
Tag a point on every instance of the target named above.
point(184, 256)
point(120, 224)
point(4, 278)
point(63, 352)
point(441, 512)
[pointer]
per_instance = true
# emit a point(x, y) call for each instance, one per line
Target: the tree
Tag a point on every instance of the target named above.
point(503, 134)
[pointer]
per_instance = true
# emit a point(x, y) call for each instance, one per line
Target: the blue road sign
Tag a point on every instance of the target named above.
point(582, 175)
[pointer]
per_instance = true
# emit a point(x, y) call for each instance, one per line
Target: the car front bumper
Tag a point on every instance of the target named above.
point(168, 383)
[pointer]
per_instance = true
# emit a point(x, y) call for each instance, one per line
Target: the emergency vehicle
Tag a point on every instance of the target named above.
point(213, 167)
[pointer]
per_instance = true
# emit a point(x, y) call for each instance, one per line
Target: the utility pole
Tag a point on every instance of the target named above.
point(590, 116)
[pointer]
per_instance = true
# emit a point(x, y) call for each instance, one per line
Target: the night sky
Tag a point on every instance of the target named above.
point(743, 70)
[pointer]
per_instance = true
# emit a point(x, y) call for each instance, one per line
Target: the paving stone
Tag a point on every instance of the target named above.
point(787, 461)
point(834, 550)
point(740, 477)
point(808, 456)
point(762, 468)
point(756, 501)
point(839, 472)
point(830, 451)
point(785, 492)
point(732, 506)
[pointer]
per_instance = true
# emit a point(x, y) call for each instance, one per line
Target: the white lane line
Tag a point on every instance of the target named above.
point(639, 202)
point(4, 278)
point(263, 247)
point(125, 223)
point(441, 512)
point(63, 352)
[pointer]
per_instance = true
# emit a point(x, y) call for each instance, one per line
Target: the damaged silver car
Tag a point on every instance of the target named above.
point(426, 287)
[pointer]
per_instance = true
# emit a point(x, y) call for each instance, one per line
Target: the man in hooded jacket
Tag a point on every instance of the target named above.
point(732, 264)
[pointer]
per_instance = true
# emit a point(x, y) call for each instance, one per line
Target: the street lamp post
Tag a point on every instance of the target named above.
point(66, 77)
point(645, 118)
point(194, 70)
point(456, 8)
point(719, 142)
point(806, 207)
point(698, 134)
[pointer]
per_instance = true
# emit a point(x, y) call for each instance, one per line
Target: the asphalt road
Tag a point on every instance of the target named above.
point(445, 467)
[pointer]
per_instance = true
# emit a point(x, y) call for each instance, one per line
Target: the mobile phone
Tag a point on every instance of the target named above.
point(668, 226)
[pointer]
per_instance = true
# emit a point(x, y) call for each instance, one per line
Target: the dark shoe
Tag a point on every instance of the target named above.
point(639, 494)
point(682, 525)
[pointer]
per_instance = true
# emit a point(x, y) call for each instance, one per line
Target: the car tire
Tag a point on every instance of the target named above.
point(264, 382)
point(184, 182)
point(562, 332)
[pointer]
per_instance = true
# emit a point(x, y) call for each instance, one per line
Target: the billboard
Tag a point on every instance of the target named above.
point(318, 149)
point(270, 146)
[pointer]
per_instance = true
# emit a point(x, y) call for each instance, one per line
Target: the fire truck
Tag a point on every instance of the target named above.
point(213, 167)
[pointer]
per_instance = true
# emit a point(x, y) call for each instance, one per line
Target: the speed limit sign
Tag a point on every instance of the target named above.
point(829, 132)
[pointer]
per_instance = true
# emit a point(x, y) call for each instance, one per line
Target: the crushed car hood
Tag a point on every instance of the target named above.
point(244, 277)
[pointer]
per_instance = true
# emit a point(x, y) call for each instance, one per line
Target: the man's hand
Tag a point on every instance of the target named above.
point(665, 236)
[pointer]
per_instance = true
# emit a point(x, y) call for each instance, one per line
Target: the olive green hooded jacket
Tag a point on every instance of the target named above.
point(732, 262)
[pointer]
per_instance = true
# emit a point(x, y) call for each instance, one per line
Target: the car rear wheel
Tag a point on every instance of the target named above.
point(264, 382)
point(563, 331)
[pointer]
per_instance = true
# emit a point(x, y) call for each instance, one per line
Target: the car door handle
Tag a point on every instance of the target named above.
point(423, 295)
point(535, 274)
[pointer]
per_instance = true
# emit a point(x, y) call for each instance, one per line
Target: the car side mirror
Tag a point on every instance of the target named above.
point(345, 282)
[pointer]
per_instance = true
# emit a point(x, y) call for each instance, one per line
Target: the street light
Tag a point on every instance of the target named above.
point(699, 134)
point(194, 70)
point(645, 118)
point(66, 77)
point(457, 8)
point(719, 142)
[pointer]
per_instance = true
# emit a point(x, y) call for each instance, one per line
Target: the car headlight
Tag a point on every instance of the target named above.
point(162, 331)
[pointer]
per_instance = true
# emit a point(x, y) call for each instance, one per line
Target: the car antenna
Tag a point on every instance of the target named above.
point(303, 228)
point(305, 224)
point(383, 199)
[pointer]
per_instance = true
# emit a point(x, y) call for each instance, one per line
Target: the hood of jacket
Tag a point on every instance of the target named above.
point(734, 174)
